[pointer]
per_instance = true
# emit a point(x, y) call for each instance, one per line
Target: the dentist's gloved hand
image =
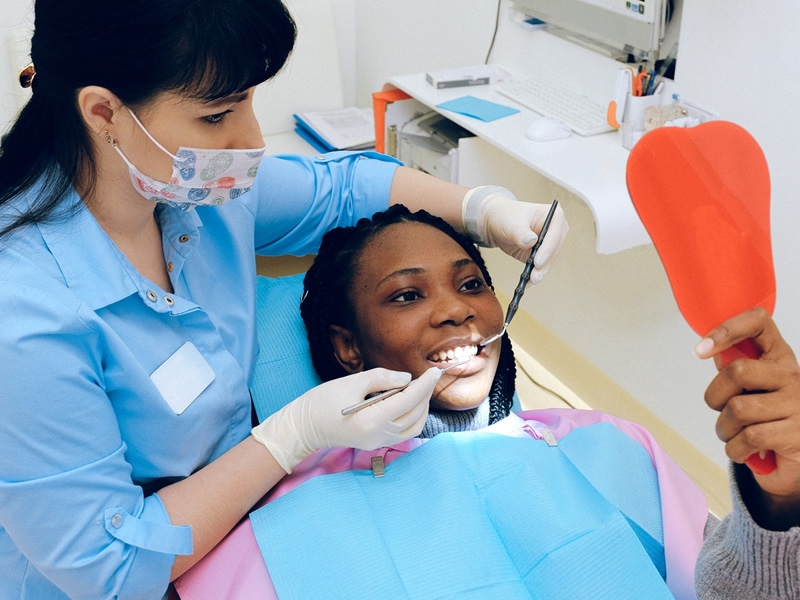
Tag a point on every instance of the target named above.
point(493, 217)
point(314, 420)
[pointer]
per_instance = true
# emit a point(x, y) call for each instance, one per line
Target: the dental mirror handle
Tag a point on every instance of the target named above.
point(525, 277)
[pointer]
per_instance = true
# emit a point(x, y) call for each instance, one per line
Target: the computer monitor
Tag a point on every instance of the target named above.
point(631, 30)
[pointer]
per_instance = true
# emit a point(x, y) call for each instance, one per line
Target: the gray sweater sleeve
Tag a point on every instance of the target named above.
point(740, 560)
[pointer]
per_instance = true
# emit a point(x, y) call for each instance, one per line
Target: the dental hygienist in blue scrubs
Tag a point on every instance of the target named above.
point(127, 290)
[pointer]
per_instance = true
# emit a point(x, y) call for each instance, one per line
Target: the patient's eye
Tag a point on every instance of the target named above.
point(406, 296)
point(473, 284)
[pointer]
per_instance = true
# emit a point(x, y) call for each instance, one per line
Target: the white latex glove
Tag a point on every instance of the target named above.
point(314, 420)
point(493, 217)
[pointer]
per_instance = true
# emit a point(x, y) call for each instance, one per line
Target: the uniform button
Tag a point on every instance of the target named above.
point(184, 238)
point(170, 266)
point(117, 520)
point(151, 295)
point(169, 300)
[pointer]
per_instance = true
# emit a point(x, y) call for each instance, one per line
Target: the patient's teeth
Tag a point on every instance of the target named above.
point(458, 354)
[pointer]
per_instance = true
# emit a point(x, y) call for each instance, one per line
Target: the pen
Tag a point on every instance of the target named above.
point(637, 83)
point(665, 64)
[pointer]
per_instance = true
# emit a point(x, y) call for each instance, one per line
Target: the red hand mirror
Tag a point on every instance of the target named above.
point(703, 195)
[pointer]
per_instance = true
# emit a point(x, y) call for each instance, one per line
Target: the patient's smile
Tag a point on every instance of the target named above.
point(458, 354)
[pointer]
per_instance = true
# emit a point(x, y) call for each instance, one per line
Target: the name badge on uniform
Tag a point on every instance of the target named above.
point(183, 377)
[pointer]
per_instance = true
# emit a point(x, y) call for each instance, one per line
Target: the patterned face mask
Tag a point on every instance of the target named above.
point(200, 177)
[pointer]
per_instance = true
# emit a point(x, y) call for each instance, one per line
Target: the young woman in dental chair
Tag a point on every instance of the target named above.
point(485, 503)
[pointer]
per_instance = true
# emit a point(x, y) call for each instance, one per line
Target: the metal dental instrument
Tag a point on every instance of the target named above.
point(524, 278)
point(377, 397)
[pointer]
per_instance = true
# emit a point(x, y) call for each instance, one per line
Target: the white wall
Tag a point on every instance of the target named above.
point(396, 37)
point(16, 24)
point(741, 58)
point(377, 40)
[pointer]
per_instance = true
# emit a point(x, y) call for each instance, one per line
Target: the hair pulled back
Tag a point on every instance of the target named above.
point(327, 301)
point(202, 49)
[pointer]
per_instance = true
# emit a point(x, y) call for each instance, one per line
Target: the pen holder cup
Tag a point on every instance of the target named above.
point(633, 118)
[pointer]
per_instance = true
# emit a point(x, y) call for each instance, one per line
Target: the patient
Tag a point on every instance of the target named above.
point(417, 310)
point(405, 291)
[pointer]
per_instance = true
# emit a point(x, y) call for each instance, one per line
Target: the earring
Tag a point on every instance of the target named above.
point(108, 137)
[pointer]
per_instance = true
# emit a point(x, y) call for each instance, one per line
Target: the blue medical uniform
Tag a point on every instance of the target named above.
point(86, 434)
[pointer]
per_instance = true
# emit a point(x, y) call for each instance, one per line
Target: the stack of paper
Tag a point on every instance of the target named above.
point(341, 129)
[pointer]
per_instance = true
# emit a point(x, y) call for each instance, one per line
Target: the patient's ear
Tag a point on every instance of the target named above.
point(346, 349)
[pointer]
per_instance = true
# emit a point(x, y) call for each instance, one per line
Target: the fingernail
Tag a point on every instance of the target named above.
point(399, 378)
point(705, 346)
point(529, 239)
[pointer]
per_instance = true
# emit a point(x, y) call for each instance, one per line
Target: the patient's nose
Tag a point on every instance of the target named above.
point(451, 309)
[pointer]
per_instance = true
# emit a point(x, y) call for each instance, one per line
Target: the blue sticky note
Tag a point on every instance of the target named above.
point(477, 108)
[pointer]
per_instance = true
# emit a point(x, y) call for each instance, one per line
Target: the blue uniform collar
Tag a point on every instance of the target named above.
point(93, 266)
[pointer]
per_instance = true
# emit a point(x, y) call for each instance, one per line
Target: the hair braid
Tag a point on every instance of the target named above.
point(501, 395)
point(326, 299)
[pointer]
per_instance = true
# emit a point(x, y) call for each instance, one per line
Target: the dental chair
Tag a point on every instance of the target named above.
point(283, 345)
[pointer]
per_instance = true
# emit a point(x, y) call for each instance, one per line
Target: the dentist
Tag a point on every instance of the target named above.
point(134, 194)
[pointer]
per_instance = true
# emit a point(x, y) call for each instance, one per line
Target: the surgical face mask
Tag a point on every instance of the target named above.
point(200, 177)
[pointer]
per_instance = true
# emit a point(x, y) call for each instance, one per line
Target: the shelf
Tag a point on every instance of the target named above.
point(593, 168)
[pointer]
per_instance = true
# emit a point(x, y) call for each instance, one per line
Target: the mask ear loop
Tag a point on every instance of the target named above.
point(112, 141)
point(152, 139)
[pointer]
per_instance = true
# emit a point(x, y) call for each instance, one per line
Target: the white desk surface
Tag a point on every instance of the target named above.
point(591, 167)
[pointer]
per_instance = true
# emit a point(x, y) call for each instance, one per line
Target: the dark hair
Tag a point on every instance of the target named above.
point(326, 297)
point(202, 49)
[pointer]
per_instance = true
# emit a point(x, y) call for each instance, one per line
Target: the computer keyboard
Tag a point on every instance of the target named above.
point(582, 114)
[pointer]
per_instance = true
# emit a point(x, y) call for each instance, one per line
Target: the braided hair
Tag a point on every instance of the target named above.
point(326, 297)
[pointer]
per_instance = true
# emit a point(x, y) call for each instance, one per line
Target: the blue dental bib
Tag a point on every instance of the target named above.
point(476, 515)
